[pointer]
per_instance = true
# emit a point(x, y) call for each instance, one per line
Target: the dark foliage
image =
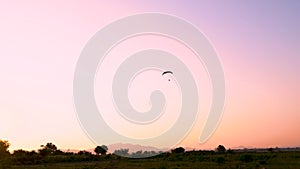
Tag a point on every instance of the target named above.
point(48, 149)
point(101, 150)
point(178, 150)
point(177, 158)
point(221, 149)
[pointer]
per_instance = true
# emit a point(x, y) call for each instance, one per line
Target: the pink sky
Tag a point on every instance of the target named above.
point(257, 42)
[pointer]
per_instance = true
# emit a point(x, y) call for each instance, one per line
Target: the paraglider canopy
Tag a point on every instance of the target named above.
point(165, 72)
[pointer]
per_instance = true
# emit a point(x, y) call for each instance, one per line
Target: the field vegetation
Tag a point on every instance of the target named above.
point(49, 156)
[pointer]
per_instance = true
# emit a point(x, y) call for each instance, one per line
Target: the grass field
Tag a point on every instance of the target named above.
point(187, 160)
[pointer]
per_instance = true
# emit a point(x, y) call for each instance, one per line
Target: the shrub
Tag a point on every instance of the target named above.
point(221, 149)
point(178, 150)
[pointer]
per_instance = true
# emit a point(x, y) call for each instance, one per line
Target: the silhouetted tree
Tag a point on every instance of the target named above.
point(25, 157)
point(4, 145)
point(5, 161)
point(48, 149)
point(58, 152)
point(221, 149)
point(105, 148)
point(178, 150)
point(19, 152)
point(101, 150)
point(83, 152)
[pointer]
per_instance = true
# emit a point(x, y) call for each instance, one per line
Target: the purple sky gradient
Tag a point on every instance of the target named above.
point(257, 41)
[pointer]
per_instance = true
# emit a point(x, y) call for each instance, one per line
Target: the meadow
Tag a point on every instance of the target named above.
point(185, 160)
point(50, 157)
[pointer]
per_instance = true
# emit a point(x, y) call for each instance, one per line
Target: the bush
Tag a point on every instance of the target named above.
point(221, 149)
point(178, 150)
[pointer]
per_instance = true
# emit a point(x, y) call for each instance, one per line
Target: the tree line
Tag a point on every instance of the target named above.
point(49, 153)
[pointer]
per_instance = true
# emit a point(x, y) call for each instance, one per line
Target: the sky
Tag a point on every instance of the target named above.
point(257, 43)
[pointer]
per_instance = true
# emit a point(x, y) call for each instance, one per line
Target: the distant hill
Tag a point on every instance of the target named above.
point(243, 147)
point(118, 146)
point(136, 147)
point(133, 147)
